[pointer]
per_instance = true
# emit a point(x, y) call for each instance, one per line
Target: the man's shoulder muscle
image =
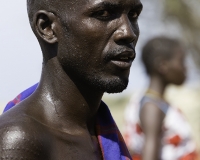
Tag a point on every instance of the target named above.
point(19, 140)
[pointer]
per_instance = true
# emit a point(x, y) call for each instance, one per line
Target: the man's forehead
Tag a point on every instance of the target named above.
point(86, 5)
point(77, 2)
point(96, 2)
point(63, 6)
point(116, 1)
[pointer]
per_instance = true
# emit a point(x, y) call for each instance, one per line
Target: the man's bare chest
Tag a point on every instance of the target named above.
point(73, 148)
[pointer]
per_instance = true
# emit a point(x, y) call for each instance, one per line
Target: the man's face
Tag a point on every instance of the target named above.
point(96, 45)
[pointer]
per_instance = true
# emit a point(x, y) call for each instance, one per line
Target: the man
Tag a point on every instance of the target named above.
point(88, 48)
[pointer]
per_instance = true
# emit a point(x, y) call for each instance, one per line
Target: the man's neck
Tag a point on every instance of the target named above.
point(67, 105)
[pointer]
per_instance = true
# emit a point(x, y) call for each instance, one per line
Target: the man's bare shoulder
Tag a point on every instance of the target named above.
point(21, 137)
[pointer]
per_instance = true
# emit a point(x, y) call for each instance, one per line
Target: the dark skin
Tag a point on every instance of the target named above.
point(151, 120)
point(84, 53)
point(166, 72)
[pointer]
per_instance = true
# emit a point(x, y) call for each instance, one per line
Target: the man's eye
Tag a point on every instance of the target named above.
point(103, 13)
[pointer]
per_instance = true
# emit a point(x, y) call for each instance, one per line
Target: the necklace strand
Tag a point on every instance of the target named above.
point(154, 94)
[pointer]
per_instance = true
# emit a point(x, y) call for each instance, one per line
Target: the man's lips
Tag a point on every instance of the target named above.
point(124, 59)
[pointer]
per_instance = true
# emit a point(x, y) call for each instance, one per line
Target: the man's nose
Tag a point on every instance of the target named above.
point(125, 32)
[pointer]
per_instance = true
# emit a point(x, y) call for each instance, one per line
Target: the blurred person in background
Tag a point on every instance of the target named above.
point(153, 128)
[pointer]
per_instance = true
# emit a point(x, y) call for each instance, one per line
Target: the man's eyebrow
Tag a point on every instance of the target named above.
point(115, 5)
point(106, 5)
point(137, 5)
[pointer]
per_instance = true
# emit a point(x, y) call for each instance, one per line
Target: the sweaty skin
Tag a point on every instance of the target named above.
point(88, 48)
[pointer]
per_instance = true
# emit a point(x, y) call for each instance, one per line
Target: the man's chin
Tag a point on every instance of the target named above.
point(115, 90)
point(116, 86)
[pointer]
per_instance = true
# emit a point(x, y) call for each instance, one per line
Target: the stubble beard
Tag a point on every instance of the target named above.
point(114, 85)
point(97, 80)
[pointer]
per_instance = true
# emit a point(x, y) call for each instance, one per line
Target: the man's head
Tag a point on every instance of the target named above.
point(93, 40)
point(165, 56)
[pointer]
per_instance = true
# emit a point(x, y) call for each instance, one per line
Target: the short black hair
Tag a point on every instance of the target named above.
point(161, 47)
point(34, 5)
point(55, 6)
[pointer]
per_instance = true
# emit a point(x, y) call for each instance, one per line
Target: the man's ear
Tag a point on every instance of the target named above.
point(45, 26)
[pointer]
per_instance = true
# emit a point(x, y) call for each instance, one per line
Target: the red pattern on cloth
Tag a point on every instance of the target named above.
point(176, 140)
point(138, 129)
point(190, 156)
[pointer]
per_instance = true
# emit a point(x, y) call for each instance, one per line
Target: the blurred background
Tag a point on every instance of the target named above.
point(21, 57)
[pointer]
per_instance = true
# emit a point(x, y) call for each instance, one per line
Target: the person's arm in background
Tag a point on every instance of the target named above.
point(151, 120)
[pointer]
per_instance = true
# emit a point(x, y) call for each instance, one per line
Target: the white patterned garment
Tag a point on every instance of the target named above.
point(176, 140)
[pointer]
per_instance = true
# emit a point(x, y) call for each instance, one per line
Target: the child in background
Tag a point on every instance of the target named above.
point(155, 130)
